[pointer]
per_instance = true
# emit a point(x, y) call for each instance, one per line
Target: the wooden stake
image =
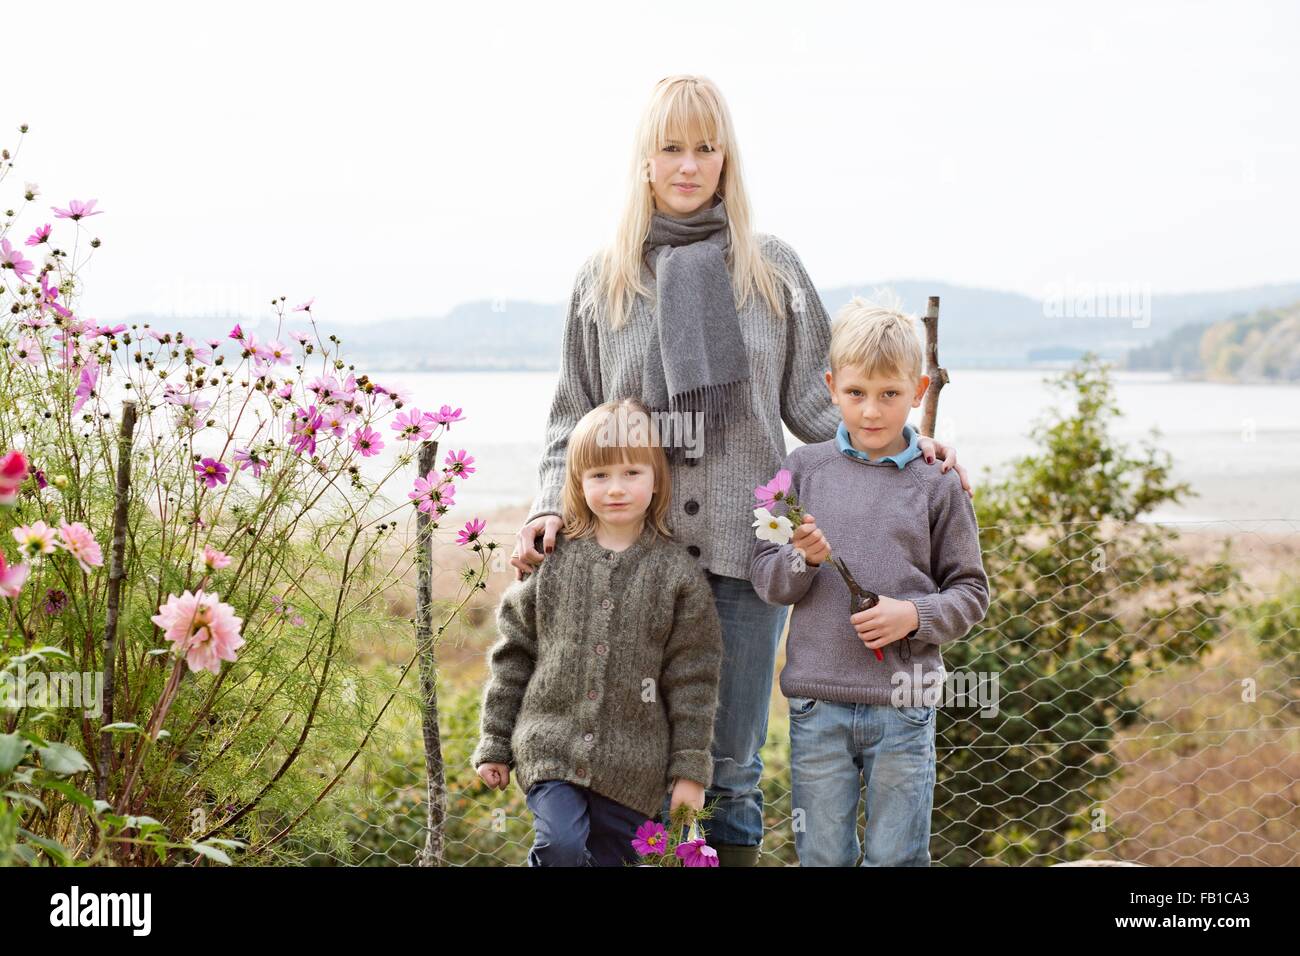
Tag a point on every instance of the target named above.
point(938, 375)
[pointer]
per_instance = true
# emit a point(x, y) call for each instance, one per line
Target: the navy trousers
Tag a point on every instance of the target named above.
point(574, 826)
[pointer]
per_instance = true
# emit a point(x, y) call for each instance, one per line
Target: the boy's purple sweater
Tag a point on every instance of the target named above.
point(907, 533)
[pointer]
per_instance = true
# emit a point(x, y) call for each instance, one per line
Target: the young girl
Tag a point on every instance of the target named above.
point(604, 680)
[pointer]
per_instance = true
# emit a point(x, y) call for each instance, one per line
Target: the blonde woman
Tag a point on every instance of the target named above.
point(720, 331)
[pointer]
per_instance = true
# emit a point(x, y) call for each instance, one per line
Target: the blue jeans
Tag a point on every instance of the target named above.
point(751, 631)
point(834, 748)
point(574, 826)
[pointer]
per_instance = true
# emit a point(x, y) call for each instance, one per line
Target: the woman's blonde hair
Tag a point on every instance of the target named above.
point(881, 339)
point(687, 108)
point(609, 434)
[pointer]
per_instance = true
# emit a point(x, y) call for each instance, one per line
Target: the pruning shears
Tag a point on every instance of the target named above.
point(862, 599)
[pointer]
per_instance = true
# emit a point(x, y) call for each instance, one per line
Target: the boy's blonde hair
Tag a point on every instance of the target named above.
point(882, 339)
point(589, 448)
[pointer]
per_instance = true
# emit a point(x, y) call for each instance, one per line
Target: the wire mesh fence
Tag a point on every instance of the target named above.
point(1131, 696)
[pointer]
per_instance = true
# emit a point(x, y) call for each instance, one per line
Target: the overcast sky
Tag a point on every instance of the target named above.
point(394, 160)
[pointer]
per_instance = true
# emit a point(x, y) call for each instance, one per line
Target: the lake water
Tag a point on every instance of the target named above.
point(1239, 445)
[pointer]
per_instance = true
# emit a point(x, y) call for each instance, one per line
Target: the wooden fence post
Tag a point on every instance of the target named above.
point(433, 853)
point(938, 375)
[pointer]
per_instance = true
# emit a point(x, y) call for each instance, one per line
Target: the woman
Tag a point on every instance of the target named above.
point(698, 315)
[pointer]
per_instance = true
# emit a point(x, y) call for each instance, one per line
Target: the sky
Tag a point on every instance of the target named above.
point(394, 160)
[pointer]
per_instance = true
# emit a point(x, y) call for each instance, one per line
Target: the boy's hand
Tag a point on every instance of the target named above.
point(889, 621)
point(809, 538)
point(495, 775)
point(688, 792)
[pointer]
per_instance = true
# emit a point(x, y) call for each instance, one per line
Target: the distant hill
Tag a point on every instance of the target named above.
point(1262, 346)
point(979, 328)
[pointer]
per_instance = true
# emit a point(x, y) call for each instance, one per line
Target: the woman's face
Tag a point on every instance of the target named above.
point(684, 176)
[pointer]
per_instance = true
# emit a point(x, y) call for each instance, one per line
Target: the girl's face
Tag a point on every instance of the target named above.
point(619, 494)
point(685, 175)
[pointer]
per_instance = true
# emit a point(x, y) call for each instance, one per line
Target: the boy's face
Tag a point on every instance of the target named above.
point(875, 409)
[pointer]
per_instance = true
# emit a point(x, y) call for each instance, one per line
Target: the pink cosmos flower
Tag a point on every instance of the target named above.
point(276, 353)
point(458, 464)
point(201, 627)
point(11, 258)
point(306, 423)
point(471, 531)
point(305, 306)
point(775, 490)
point(211, 472)
point(445, 416)
point(237, 333)
point(213, 559)
point(285, 391)
point(413, 424)
point(78, 541)
point(300, 337)
point(49, 296)
point(651, 837)
point(29, 349)
point(105, 331)
point(433, 491)
point(35, 539)
point(13, 472)
point(246, 458)
point(12, 577)
point(367, 441)
point(697, 853)
point(89, 375)
point(77, 210)
point(40, 235)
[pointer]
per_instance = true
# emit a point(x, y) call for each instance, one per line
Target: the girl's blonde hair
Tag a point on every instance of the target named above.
point(595, 443)
point(881, 339)
point(690, 109)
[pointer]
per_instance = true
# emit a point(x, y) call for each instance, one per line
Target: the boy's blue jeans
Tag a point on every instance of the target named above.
point(575, 826)
point(751, 631)
point(834, 747)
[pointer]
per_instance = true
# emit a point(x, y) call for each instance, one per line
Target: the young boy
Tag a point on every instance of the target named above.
point(906, 532)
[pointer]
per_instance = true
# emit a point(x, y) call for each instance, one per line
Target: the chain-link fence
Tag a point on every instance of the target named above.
point(1131, 696)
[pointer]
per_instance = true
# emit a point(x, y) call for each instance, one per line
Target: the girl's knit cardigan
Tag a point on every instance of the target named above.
point(606, 672)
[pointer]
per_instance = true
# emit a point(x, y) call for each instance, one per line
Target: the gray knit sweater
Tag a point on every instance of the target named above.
point(606, 672)
point(713, 494)
point(907, 533)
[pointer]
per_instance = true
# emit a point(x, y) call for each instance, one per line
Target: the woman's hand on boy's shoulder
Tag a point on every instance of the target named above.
point(947, 456)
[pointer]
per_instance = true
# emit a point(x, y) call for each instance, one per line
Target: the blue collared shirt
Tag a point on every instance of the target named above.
point(902, 458)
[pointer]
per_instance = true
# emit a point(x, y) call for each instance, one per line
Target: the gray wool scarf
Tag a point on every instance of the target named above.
point(697, 362)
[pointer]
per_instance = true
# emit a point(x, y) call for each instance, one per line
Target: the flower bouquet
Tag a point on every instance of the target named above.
point(679, 844)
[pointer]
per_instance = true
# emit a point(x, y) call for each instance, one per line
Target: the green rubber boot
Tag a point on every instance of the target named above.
point(730, 854)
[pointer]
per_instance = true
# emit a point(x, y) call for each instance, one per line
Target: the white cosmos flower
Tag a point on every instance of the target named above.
point(769, 527)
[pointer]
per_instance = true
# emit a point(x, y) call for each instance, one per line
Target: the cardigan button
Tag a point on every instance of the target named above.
point(582, 771)
point(588, 737)
point(592, 695)
point(693, 551)
point(692, 507)
point(601, 648)
point(607, 604)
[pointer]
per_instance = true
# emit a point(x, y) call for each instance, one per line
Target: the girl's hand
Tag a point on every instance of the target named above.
point(688, 792)
point(496, 775)
point(811, 541)
point(932, 449)
point(889, 621)
point(526, 558)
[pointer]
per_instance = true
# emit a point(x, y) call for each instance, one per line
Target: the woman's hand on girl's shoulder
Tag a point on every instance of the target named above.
point(526, 558)
point(947, 454)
